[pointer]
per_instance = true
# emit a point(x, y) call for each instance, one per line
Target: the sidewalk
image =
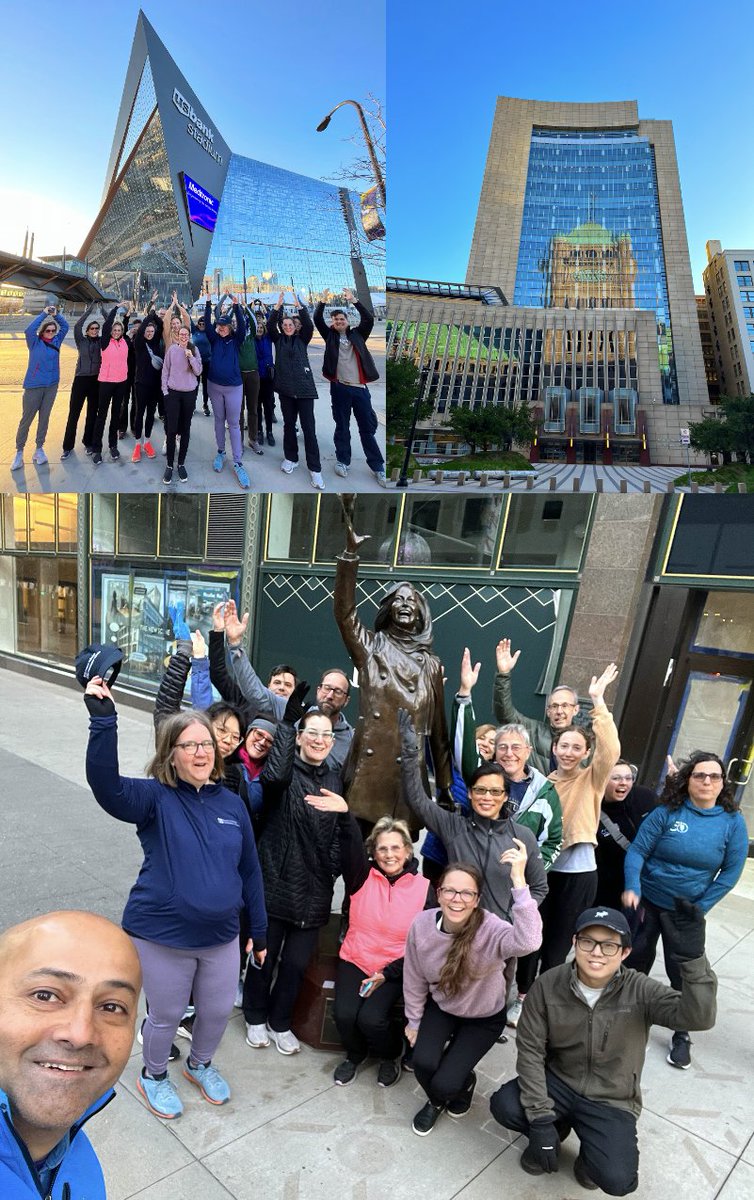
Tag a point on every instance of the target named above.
point(289, 1133)
point(78, 473)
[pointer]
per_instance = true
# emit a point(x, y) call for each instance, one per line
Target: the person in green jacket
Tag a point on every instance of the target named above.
point(582, 1040)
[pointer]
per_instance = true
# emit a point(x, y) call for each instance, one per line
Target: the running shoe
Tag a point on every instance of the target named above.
point(241, 475)
point(161, 1097)
point(168, 476)
point(18, 461)
point(66, 454)
point(270, 440)
point(388, 1072)
point(317, 480)
point(426, 1118)
point(205, 410)
point(256, 1036)
point(96, 458)
point(209, 1081)
point(345, 1073)
point(341, 469)
point(89, 451)
point(114, 454)
point(182, 473)
point(219, 462)
point(136, 456)
point(39, 458)
point(680, 1051)
point(381, 477)
point(287, 466)
point(286, 1042)
point(256, 447)
point(149, 450)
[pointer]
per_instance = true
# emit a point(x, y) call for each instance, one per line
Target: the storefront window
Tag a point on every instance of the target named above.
point(183, 523)
point(543, 533)
point(450, 531)
point(726, 625)
point(374, 515)
point(137, 524)
point(67, 522)
point(42, 522)
point(713, 539)
point(103, 523)
point(14, 509)
point(291, 527)
point(46, 594)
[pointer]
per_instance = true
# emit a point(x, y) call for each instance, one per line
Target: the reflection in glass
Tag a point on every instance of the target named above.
point(374, 515)
point(452, 531)
point(727, 624)
point(67, 522)
point(291, 527)
point(137, 524)
point(42, 522)
point(46, 592)
point(183, 521)
point(103, 523)
point(546, 533)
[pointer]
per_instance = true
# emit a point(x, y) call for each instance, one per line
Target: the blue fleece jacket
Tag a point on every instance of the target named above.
point(224, 367)
point(44, 357)
point(264, 357)
point(696, 853)
point(200, 858)
point(78, 1174)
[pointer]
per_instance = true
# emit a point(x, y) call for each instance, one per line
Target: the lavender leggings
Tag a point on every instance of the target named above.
point(226, 405)
point(170, 975)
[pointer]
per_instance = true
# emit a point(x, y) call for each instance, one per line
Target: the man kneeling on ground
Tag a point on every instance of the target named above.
point(585, 1025)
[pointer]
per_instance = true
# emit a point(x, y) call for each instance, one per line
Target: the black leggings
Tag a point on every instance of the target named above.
point(179, 409)
point(84, 388)
point(110, 397)
point(570, 892)
point(647, 932)
point(290, 948)
point(367, 1023)
point(448, 1048)
point(266, 405)
point(147, 396)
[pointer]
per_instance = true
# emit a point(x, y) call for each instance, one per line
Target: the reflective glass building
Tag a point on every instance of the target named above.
point(180, 210)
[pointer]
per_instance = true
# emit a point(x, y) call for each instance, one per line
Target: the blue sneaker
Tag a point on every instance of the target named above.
point(219, 462)
point(241, 475)
point(209, 1081)
point(161, 1097)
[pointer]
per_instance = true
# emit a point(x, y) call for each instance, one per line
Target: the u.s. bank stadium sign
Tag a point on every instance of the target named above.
point(200, 132)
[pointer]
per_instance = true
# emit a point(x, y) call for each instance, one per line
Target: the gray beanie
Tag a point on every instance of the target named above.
point(262, 723)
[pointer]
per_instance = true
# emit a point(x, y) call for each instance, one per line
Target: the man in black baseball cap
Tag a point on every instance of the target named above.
point(581, 1042)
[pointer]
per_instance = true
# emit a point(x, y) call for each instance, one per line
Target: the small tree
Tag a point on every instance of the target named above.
point(494, 424)
point(732, 432)
point(402, 386)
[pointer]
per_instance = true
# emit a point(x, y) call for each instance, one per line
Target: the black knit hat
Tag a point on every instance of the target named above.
point(98, 659)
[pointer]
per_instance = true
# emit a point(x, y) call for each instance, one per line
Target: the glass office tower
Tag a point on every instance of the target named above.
point(591, 235)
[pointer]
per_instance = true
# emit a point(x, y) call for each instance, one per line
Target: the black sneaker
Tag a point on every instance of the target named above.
point(96, 458)
point(114, 453)
point(680, 1051)
point(581, 1177)
point(346, 1072)
point(389, 1072)
point(461, 1105)
point(186, 1028)
point(174, 1054)
point(66, 454)
point(168, 476)
point(89, 451)
point(270, 440)
point(426, 1118)
point(407, 1062)
point(182, 473)
point(205, 409)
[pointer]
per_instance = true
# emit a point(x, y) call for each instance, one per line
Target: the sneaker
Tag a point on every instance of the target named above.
point(257, 447)
point(186, 1027)
point(149, 450)
point(426, 1119)
point(209, 1081)
point(287, 466)
point(256, 1036)
point(529, 1163)
point(341, 469)
point(89, 451)
point(114, 454)
point(317, 480)
point(66, 454)
point(205, 410)
point(219, 462)
point(164, 447)
point(18, 461)
point(381, 477)
point(270, 440)
point(241, 475)
point(96, 458)
point(161, 1097)
point(286, 1042)
point(407, 1062)
point(182, 473)
point(582, 1178)
point(461, 1105)
point(388, 1073)
point(680, 1051)
point(136, 456)
point(238, 1002)
point(174, 1054)
point(514, 1013)
point(39, 458)
point(168, 476)
point(346, 1072)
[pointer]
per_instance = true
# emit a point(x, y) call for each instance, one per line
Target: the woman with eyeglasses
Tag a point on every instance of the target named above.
point(454, 985)
point(200, 869)
point(85, 386)
point(44, 337)
point(694, 846)
point(299, 850)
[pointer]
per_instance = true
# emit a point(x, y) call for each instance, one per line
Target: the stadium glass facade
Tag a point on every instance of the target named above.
point(591, 235)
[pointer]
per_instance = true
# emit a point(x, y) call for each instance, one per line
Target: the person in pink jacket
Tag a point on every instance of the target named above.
point(386, 890)
point(113, 384)
point(181, 370)
point(454, 983)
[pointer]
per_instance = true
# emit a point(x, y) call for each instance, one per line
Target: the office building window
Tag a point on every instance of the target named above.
point(744, 280)
point(741, 265)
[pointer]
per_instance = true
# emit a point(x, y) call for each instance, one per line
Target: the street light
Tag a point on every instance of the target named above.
point(367, 138)
point(403, 477)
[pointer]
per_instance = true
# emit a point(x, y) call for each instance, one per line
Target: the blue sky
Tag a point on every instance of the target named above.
point(266, 77)
point(690, 62)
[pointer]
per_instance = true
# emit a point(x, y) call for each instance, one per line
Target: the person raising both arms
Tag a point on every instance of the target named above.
point(295, 385)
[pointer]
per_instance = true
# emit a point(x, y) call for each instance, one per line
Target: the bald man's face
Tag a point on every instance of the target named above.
point(69, 986)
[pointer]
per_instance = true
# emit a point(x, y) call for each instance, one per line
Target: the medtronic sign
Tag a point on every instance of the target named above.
point(196, 127)
point(202, 205)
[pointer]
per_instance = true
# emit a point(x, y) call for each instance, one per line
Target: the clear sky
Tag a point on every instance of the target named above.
point(266, 74)
point(688, 62)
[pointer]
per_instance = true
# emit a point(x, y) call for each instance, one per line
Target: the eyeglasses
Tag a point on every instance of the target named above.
point(334, 691)
point(258, 735)
point(313, 735)
point(451, 893)
point(609, 949)
point(621, 778)
point(713, 776)
point(225, 735)
point(558, 707)
point(516, 748)
point(495, 793)
point(192, 747)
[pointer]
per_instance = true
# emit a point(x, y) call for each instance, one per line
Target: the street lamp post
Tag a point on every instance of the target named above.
point(403, 477)
point(376, 169)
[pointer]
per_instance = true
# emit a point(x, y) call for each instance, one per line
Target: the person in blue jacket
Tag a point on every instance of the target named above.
point(69, 991)
point(693, 845)
point(192, 830)
point(266, 378)
point(44, 337)
point(225, 384)
point(201, 341)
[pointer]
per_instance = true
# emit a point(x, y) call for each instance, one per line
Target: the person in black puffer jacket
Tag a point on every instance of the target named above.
point(295, 385)
point(299, 851)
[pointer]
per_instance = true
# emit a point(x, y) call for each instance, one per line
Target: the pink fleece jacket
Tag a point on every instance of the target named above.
point(484, 993)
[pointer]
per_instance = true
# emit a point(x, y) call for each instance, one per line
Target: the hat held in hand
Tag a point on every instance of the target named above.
point(99, 659)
